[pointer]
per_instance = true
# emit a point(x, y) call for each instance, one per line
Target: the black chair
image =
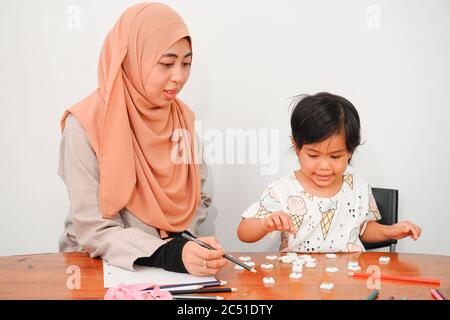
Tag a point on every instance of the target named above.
point(387, 202)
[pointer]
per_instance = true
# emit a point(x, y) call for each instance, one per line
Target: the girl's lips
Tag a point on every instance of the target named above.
point(323, 177)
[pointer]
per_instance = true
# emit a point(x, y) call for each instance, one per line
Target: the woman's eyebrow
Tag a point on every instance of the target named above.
point(173, 55)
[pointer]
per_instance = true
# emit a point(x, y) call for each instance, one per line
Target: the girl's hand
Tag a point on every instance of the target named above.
point(278, 221)
point(200, 261)
point(403, 229)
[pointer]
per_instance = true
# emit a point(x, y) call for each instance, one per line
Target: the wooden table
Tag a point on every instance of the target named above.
point(48, 276)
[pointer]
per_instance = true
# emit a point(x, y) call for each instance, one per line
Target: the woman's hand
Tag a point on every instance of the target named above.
point(403, 229)
point(278, 221)
point(200, 261)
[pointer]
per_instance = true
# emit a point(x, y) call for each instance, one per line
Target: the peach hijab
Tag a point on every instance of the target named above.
point(133, 139)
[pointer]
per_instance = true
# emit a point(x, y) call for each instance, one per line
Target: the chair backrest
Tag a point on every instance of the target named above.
point(387, 203)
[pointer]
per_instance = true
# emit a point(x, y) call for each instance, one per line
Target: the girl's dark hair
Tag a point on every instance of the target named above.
point(317, 117)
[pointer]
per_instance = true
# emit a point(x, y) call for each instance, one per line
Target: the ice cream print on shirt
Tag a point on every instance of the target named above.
point(331, 224)
point(327, 208)
point(268, 204)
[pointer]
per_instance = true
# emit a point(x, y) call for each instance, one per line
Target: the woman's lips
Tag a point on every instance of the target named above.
point(171, 94)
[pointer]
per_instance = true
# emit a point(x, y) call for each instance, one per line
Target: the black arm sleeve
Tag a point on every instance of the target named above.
point(168, 256)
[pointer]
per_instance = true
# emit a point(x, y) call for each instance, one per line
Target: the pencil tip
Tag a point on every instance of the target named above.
point(220, 298)
point(223, 282)
point(234, 289)
point(253, 270)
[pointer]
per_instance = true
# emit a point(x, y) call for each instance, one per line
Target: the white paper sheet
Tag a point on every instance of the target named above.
point(113, 276)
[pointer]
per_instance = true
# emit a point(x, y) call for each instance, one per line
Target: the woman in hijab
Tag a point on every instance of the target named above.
point(128, 156)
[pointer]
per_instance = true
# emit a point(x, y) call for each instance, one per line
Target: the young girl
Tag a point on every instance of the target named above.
point(321, 207)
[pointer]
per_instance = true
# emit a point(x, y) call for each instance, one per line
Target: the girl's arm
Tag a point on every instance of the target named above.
point(376, 232)
point(252, 230)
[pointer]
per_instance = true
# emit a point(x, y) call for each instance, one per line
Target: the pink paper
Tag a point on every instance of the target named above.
point(134, 292)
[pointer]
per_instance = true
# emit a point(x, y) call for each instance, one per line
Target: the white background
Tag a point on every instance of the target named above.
point(390, 58)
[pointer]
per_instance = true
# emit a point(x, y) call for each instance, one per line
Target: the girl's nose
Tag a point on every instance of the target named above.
point(324, 165)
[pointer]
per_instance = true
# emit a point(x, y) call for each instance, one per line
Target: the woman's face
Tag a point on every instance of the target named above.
point(170, 74)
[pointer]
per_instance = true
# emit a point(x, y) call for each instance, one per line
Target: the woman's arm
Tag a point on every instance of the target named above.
point(110, 238)
point(205, 203)
point(106, 238)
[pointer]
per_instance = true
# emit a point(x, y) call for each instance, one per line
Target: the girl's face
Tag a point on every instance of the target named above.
point(169, 74)
point(324, 163)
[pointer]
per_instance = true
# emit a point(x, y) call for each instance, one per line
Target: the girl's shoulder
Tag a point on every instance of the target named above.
point(285, 182)
point(355, 182)
point(284, 186)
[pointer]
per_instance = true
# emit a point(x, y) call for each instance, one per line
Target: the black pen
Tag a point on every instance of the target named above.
point(209, 290)
point(226, 256)
point(188, 297)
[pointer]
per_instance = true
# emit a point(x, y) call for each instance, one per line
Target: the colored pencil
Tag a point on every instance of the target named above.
point(210, 290)
point(177, 289)
point(373, 295)
point(395, 277)
point(436, 295)
point(212, 284)
point(182, 285)
point(188, 297)
point(206, 283)
point(441, 294)
point(226, 256)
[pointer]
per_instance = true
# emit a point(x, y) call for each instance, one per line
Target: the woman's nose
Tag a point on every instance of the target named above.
point(178, 75)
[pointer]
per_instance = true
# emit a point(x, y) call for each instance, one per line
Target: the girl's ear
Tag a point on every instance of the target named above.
point(294, 146)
